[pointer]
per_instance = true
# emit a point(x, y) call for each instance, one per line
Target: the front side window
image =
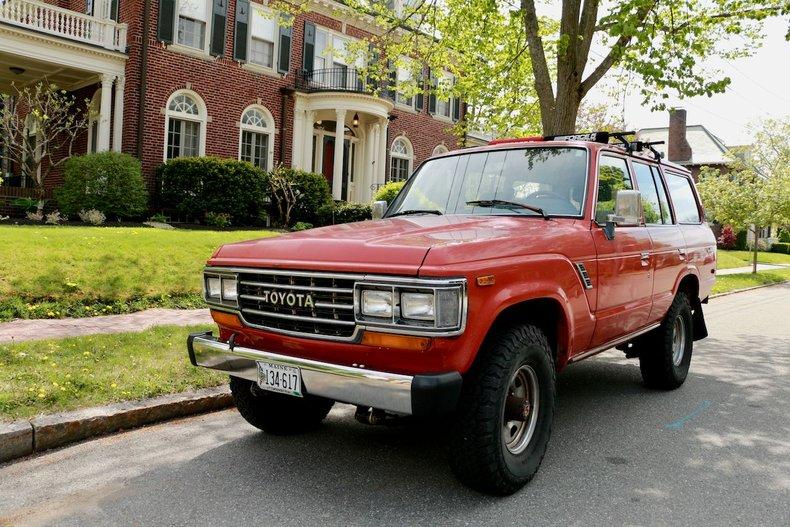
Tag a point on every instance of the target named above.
point(686, 208)
point(263, 38)
point(612, 176)
point(400, 159)
point(192, 22)
point(186, 120)
point(552, 179)
point(256, 137)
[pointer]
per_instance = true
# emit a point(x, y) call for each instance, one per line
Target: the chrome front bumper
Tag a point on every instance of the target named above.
point(402, 394)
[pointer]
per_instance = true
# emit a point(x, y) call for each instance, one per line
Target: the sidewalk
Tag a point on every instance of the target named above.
point(748, 269)
point(22, 330)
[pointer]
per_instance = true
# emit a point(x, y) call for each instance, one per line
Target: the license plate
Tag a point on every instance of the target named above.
point(280, 379)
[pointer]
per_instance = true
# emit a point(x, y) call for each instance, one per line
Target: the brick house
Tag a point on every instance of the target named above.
point(173, 78)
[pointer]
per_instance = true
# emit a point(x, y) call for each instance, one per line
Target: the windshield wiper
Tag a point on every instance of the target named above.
point(416, 211)
point(507, 204)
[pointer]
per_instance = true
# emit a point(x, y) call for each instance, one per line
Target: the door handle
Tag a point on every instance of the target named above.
point(645, 259)
point(682, 254)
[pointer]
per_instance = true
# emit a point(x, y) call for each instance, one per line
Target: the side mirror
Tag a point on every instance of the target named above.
point(378, 209)
point(627, 212)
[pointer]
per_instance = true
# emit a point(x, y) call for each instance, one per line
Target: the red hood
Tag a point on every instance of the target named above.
point(394, 246)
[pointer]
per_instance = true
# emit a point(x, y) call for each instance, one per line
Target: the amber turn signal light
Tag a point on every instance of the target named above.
point(229, 320)
point(388, 340)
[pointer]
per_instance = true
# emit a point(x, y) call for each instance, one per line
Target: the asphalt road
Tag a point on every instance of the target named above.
point(715, 452)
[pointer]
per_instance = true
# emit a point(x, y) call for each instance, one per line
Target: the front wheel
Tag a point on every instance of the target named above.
point(666, 357)
point(276, 413)
point(506, 412)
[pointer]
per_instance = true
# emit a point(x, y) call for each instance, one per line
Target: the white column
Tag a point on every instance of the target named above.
point(307, 154)
point(337, 175)
point(374, 158)
point(103, 143)
point(382, 169)
point(367, 165)
point(117, 124)
point(297, 155)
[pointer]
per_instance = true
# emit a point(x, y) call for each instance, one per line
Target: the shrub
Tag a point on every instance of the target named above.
point(109, 182)
point(740, 241)
point(389, 191)
point(301, 226)
point(26, 204)
point(728, 240)
point(55, 218)
point(781, 247)
point(34, 216)
point(92, 216)
point(343, 212)
point(784, 235)
point(217, 219)
point(158, 218)
point(309, 191)
point(195, 186)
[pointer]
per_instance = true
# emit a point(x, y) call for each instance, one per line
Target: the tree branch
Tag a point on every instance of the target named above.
point(540, 69)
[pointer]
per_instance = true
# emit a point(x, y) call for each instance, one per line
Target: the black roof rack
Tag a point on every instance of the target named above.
point(606, 138)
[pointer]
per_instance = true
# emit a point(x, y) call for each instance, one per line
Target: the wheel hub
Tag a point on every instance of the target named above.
point(678, 340)
point(520, 412)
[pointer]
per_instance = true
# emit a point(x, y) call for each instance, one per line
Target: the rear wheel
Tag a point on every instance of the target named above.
point(276, 413)
point(665, 355)
point(506, 412)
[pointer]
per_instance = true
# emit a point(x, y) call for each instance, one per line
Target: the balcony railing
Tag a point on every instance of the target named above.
point(333, 79)
point(65, 23)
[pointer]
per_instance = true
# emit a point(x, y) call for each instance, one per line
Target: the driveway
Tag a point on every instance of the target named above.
point(715, 452)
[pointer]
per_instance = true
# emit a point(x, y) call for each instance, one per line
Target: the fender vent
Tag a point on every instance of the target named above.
point(584, 276)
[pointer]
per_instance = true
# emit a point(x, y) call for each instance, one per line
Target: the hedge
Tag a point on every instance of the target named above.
point(312, 193)
point(389, 191)
point(781, 247)
point(343, 212)
point(195, 187)
point(110, 182)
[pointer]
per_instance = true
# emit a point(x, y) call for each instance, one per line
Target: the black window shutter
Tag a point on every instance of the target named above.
point(308, 57)
point(432, 84)
point(114, 6)
point(419, 99)
point(218, 23)
point(167, 21)
point(391, 81)
point(241, 30)
point(456, 108)
point(284, 59)
point(373, 61)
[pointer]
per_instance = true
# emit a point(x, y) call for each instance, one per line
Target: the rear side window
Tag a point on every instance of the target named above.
point(647, 188)
point(686, 209)
point(612, 176)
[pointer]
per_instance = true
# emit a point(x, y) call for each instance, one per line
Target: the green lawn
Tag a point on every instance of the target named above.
point(733, 282)
point(732, 259)
point(52, 272)
point(65, 374)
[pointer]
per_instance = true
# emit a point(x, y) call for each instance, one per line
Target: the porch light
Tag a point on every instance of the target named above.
point(355, 122)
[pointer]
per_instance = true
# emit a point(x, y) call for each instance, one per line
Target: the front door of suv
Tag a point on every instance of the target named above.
point(625, 275)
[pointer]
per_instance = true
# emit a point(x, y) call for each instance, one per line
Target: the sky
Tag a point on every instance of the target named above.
point(760, 88)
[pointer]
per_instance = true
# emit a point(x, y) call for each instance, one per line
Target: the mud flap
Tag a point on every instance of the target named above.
point(700, 329)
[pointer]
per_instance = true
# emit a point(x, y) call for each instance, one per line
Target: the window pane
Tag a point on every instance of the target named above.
point(666, 215)
point(263, 26)
point(261, 52)
point(190, 32)
point(174, 139)
point(612, 176)
point(683, 198)
point(195, 9)
point(255, 149)
point(647, 188)
point(190, 139)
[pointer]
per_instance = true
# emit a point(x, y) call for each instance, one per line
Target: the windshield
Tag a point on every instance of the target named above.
point(499, 182)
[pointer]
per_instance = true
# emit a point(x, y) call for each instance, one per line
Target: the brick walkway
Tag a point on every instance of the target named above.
point(19, 330)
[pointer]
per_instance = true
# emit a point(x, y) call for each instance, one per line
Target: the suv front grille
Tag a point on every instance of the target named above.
point(297, 302)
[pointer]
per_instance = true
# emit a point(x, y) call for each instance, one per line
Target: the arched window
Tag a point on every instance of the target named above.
point(401, 157)
point(185, 125)
point(439, 150)
point(256, 140)
point(94, 115)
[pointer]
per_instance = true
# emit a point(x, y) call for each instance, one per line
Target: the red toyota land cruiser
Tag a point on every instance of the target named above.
point(492, 270)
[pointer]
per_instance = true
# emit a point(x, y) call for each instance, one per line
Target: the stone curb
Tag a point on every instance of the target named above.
point(748, 289)
point(22, 438)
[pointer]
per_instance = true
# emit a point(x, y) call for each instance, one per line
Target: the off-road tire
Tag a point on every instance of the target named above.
point(659, 370)
point(276, 413)
point(479, 456)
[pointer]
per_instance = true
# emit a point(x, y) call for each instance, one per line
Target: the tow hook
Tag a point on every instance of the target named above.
point(375, 416)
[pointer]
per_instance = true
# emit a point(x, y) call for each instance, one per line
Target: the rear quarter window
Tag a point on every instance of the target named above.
point(682, 195)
